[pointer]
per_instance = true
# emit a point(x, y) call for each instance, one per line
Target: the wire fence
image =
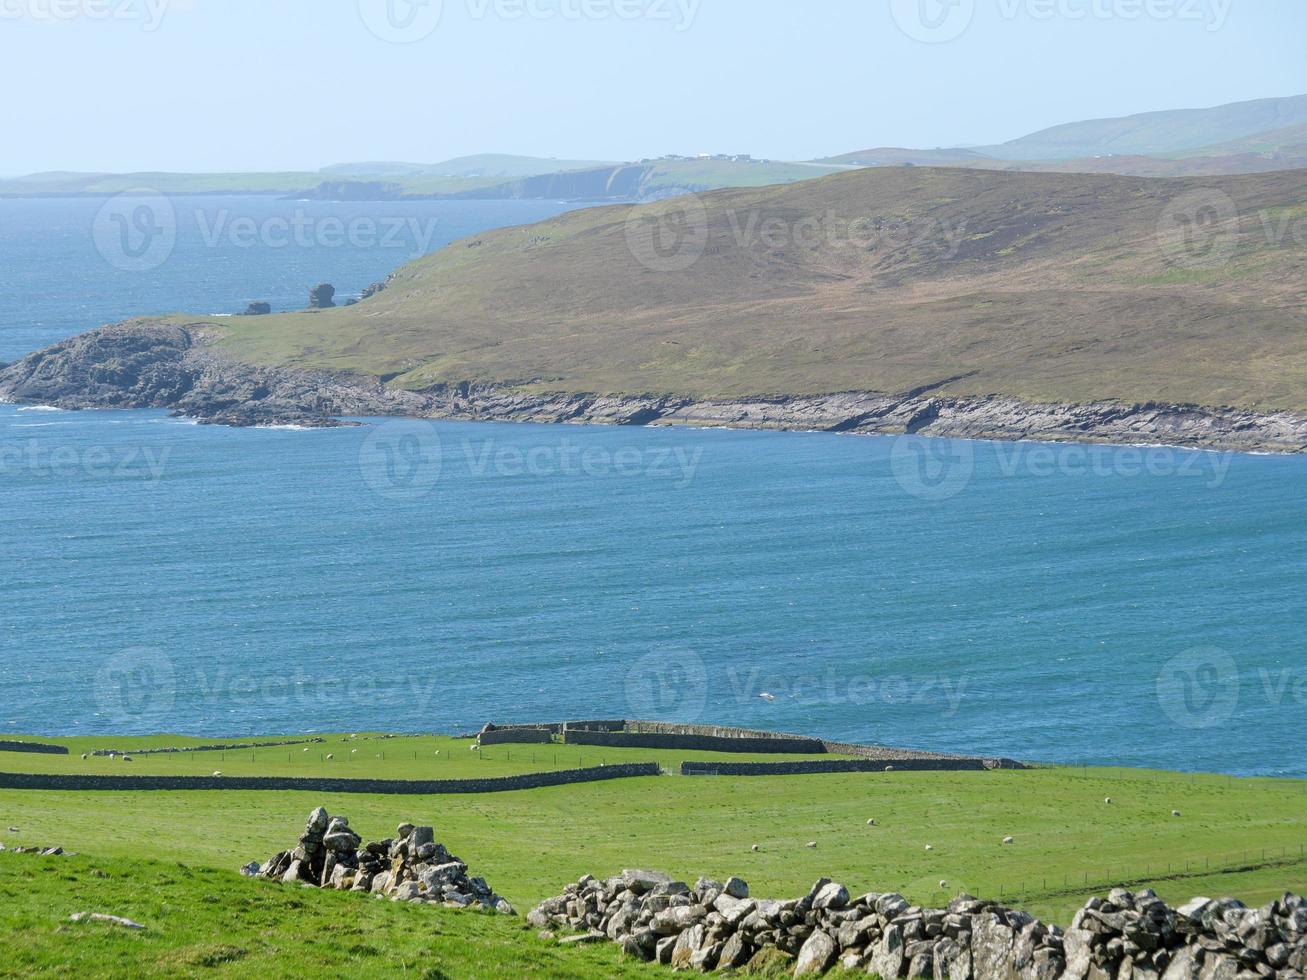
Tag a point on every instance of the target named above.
point(1056, 898)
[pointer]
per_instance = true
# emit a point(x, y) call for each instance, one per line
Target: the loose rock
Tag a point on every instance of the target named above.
point(410, 867)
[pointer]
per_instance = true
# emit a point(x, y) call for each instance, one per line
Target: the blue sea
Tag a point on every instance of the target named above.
point(1132, 605)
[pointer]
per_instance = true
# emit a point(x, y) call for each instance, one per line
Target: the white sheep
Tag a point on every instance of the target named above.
point(330, 757)
point(871, 822)
point(930, 847)
point(1009, 840)
point(812, 844)
point(1108, 801)
point(217, 773)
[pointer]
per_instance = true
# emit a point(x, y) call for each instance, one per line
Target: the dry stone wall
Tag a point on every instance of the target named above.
point(395, 787)
point(719, 926)
point(34, 747)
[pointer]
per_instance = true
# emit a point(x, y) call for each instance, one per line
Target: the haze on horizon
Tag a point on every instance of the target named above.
point(225, 85)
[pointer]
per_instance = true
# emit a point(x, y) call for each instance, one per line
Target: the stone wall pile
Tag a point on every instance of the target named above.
point(718, 926)
point(38, 748)
point(410, 867)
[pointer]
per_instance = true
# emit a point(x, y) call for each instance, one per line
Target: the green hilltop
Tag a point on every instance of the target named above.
point(1044, 287)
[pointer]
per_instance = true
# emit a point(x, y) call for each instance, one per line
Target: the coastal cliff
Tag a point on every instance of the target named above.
point(153, 364)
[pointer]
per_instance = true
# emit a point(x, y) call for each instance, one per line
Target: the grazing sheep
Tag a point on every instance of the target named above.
point(1009, 840)
point(127, 758)
point(930, 847)
point(330, 757)
point(812, 844)
point(306, 750)
point(85, 757)
point(217, 773)
point(755, 848)
point(1175, 813)
point(1108, 801)
point(943, 884)
point(871, 822)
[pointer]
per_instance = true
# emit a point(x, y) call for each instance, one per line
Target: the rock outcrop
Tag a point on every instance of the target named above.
point(257, 309)
point(322, 296)
point(717, 925)
point(165, 364)
point(410, 867)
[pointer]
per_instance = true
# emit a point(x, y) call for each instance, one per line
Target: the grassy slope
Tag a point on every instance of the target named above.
point(167, 859)
point(528, 844)
point(202, 922)
point(1061, 289)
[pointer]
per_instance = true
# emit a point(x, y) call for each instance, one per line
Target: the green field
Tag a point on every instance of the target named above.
point(355, 757)
point(171, 857)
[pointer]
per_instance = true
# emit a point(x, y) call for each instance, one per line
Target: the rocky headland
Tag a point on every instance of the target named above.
point(159, 364)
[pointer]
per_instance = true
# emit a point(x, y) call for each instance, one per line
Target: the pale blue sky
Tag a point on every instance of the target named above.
point(297, 84)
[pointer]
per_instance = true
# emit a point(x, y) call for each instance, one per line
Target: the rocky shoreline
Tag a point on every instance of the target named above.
point(149, 364)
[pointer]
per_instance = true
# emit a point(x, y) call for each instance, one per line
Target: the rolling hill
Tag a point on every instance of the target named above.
point(972, 303)
point(1038, 286)
point(1246, 137)
point(1154, 133)
point(502, 165)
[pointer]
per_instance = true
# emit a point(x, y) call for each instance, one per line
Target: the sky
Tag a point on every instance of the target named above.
point(241, 85)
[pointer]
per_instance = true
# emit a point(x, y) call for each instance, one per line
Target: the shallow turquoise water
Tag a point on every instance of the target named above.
point(1129, 606)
